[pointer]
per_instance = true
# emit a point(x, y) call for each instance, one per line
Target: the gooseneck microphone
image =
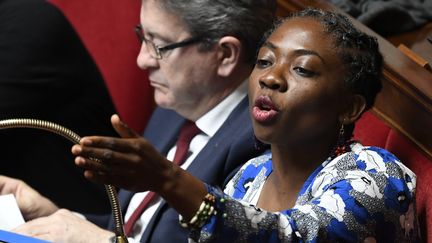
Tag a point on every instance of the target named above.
point(73, 137)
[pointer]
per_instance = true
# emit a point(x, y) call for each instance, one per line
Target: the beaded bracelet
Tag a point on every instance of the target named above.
point(205, 211)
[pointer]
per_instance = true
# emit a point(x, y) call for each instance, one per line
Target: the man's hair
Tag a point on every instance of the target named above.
point(246, 20)
point(358, 51)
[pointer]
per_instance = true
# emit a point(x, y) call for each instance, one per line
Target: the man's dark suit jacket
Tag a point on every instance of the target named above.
point(46, 73)
point(230, 147)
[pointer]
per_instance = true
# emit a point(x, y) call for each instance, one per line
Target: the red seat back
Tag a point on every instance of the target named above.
point(370, 130)
point(106, 29)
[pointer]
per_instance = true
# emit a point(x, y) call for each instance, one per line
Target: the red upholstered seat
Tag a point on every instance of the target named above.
point(370, 130)
point(106, 29)
point(422, 166)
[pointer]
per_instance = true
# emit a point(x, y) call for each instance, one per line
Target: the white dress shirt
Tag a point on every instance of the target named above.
point(209, 124)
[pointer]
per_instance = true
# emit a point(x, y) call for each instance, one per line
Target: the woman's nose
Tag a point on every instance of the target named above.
point(274, 81)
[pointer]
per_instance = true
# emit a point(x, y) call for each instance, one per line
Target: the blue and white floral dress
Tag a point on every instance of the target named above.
point(366, 195)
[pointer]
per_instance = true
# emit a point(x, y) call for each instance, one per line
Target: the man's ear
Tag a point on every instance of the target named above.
point(229, 55)
point(355, 107)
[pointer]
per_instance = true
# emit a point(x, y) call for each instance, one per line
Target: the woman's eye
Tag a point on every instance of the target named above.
point(304, 72)
point(262, 63)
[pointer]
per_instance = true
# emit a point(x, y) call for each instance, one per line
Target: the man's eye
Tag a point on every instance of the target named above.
point(262, 63)
point(304, 72)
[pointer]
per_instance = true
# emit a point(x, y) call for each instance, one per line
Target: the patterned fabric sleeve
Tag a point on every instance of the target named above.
point(365, 195)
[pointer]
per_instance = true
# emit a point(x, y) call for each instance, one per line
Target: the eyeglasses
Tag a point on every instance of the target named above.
point(157, 51)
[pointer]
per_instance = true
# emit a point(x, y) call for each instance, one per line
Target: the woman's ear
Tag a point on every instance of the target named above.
point(355, 107)
point(229, 55)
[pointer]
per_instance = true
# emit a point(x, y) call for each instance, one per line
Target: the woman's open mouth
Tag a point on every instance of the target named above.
point(264, 110)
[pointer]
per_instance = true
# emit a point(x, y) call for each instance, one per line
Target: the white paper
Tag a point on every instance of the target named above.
point(10, 215)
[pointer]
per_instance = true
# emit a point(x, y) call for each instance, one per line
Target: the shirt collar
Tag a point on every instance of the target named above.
point(211, 121)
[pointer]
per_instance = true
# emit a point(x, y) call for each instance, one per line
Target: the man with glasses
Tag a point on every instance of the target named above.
point(198, 54)
point(156, 51)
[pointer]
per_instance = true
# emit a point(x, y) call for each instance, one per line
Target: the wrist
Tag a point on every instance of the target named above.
point(104, 236)
point(48, 207)
point(183, 191)
point(204, 213)
point(40, 207)
point(171, 181)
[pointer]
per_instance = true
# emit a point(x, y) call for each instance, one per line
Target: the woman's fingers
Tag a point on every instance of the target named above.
point(125, 145)
point(103, 154)
point(117, 164)
point(98, 177)
point(122, 129)
point(91, 164)
point(130, 162)
point(117, 180)
point(117, 144)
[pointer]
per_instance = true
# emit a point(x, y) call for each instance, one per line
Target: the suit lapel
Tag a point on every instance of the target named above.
point(218, 147)
point(163, 129)
point(219, 142)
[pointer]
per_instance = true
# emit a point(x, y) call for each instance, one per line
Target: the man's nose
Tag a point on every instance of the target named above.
point(145, 60)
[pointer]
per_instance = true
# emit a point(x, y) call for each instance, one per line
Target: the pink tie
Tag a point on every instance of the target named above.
point(187, 132)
